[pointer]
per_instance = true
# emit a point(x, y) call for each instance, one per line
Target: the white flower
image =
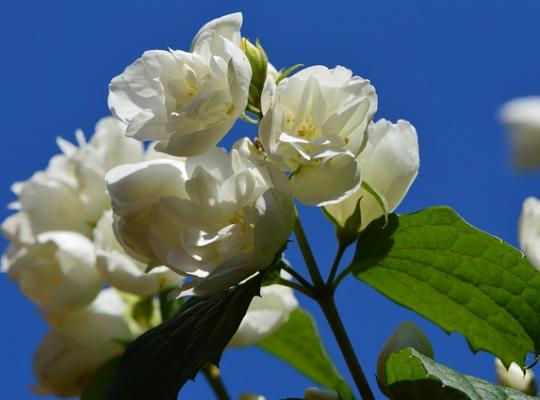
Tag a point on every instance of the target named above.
point(529, 230)
point(186, 101)
point(522, 119)
point(315, 125)
point(515, 378)
point(122, 271)
point(70, 195)
point(406, 335)
point(57, 271)
point(102, 324)
point(81, 341)
point(265, 315)
point(389, 164)
point(63, 368)
point(217, 218)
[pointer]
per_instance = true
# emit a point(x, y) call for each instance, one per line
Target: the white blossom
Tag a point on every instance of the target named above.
point(80, 342)
point(187, 101)
point(314, 126)
point(57, 271)
point(124, 272)
point(70, 195)
point(217, 218)
point(407, 334)
point(389, 164)
point(62, 367)
point(104, 323)
point(529, 230)
point(522, 119)
point(265, 315)
point(515, 378)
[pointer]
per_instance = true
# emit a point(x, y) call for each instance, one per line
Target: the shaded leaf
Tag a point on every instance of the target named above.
point(460, 278)
point(167, 307)
point(378, 197)
point(142, 312)
point(96, 389)
point(298, 343)
point(158, 363)
point(413, 376)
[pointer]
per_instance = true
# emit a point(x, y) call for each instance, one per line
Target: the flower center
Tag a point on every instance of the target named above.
point(307, 130)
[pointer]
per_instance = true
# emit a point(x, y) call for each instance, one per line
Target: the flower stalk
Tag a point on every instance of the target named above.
point(213, 376)
point(324, 295)
point(331, 313)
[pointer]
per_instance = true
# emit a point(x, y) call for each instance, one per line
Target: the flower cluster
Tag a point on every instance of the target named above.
point(220, 217)
point(184, 213)
point(65, 257)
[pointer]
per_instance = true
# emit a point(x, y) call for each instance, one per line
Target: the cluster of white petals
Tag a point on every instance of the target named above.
point(62, 252)
point(265, 315)
point(217, 218)
point(389, 163)
point(60, 232)
point(187, 101)
point(314, 126)
point(185, 213)
point(79, 343)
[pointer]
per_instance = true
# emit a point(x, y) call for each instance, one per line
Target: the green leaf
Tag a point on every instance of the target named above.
point(142, 312)
point(298, 343)
point(379, 198)
point(96, 389)
point(167, 307)
point(348, 234)
point(462, 279)
point(159, 362)
point(413, 376)
point(287, 72)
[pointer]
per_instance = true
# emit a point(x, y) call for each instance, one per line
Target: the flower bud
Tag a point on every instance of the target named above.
point(313, 393)
point(514, 377)
point(251, 396)
point(406, 335)
point(259, 65)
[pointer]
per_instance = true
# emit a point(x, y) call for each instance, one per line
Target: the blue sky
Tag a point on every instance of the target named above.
point(444, 65)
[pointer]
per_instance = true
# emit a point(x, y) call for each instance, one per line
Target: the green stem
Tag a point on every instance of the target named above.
point(249, 119)
point(335, 265)
point(298, 277)
point(308, 254)
point(342, 275)
point(213, 376)
point(307, 291)
point(331, 313)
point(324, 295)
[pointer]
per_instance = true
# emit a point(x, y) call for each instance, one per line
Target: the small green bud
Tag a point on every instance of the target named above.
point(259, 65)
